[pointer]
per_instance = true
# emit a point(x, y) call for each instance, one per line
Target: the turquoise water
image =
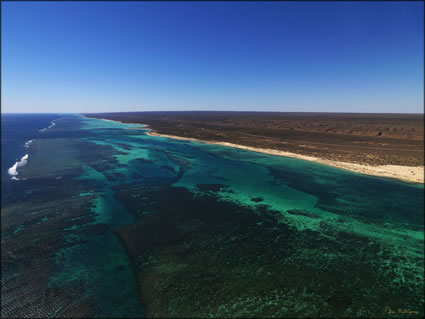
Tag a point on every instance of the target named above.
point(138, 225)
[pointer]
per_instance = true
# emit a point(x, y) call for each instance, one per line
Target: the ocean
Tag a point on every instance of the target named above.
point(100, 219)
point(16, 131)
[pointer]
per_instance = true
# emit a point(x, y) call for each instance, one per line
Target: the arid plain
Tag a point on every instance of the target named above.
point(388, 145)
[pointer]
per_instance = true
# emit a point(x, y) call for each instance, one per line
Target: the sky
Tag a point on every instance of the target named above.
point(236, 56)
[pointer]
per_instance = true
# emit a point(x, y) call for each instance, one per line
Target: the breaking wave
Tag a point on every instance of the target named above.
point(50, 126)
point(13, 171)
point(28, 143)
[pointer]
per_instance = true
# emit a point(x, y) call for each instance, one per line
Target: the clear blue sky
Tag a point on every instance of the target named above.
point(273, 56)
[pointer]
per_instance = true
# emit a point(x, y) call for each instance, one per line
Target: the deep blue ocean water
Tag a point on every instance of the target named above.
point(16, 130)
point(106, 221)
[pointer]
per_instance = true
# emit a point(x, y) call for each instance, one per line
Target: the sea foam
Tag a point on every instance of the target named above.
point(28, 143)
point(13, 171)
point(50, 126)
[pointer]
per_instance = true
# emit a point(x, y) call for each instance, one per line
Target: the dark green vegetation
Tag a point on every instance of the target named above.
point(194, 230)
point(376, 139)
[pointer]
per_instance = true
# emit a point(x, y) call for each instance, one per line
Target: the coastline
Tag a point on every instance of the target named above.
point(411, 174)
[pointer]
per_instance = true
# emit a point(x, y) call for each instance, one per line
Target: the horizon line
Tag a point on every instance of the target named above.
point(224, 111)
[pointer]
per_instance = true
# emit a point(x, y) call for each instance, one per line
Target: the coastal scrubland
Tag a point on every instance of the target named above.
point(390, 145)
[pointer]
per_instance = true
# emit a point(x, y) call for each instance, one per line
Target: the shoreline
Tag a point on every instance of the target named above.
point(411, 174)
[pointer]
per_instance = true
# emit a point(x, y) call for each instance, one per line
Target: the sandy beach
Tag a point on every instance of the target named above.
point(413, 174)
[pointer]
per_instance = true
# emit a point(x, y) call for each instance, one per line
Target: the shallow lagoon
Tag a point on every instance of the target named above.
point(109, 218)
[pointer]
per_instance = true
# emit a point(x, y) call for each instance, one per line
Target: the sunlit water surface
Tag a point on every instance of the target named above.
point(106, 221)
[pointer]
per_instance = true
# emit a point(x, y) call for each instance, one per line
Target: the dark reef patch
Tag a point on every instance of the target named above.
point(236, 261)
point(211, 187)
point(333, 198)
